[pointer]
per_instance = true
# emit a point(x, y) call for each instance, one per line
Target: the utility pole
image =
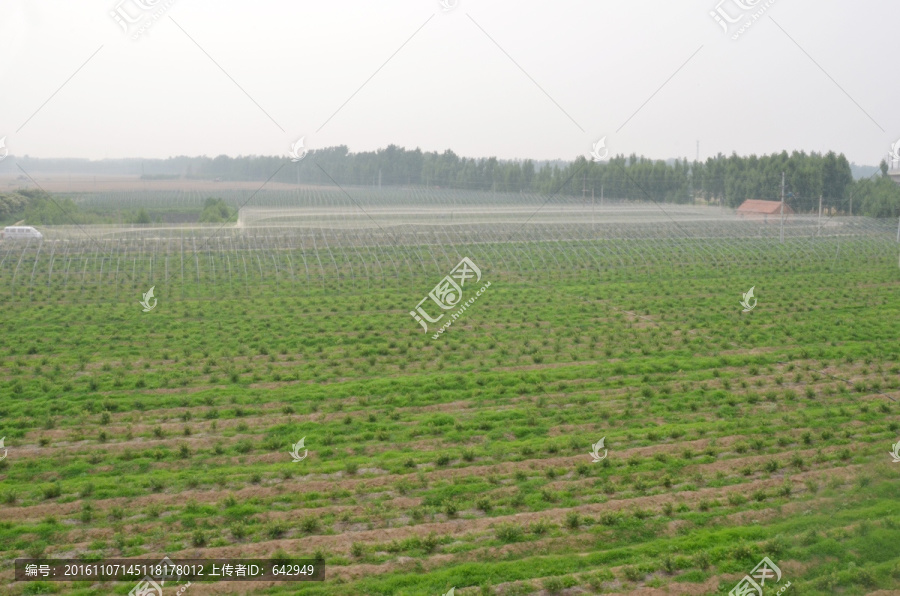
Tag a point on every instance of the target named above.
point(592, 213)
point(601, 197)
point(782, 206)
point(583, 187)
point(820, 216)
point(698, 151)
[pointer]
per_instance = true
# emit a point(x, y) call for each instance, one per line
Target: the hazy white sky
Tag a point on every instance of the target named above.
point(514, 79)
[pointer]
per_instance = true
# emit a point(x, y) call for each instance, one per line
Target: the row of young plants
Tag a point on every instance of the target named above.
point(712, 419)
point(203, 265)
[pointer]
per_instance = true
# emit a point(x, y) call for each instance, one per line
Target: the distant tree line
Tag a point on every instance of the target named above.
point(721, 180)
point(35, 207)
point(38, 207)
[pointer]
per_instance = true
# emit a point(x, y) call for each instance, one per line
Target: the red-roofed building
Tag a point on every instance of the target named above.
point(763, 211)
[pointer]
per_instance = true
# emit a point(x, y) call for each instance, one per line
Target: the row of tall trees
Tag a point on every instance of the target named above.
point(726, 180)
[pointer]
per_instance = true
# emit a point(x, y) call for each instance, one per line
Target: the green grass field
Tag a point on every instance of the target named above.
point(463, 461)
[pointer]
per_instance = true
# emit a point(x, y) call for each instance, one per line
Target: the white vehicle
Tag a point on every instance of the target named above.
point(20, 233)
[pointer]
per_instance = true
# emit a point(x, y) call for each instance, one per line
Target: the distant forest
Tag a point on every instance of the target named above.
point(727, 180)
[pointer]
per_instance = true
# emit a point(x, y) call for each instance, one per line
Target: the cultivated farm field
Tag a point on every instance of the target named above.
point(463, 461)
